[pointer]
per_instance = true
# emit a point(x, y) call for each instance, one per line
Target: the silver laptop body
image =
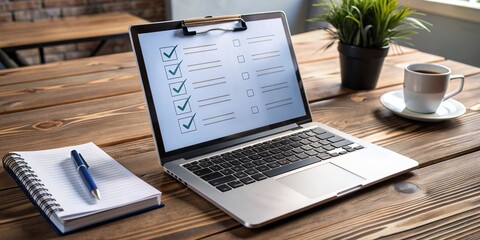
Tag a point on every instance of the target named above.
point(231, 121)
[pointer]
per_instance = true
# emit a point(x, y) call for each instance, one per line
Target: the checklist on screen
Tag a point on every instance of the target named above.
point(213, 85)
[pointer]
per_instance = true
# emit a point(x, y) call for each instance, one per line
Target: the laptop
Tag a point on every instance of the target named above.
point(231, 119)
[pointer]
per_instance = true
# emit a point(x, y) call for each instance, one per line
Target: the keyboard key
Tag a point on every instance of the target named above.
point(302, 155)
point(290, 167)
point(325, 135)
point(335, 139)
point(318, 131)
point(222, 180)
point(211, 176)
point(240, 175)
point(259, 176)
point(249, 152)
point(251, 171)
point(310, 133)
point(306, 147)
point(238, 168)
point(202, 172)
point(237, 155)
point(235, 162)
point(328, 147)
point(311, 152)
point(264, 154)
point(194, 168)
point(334, 154)
point(316, 145)
point(295, 138)
point(283, 162)
point(305, 141)
point(320, 150)
point(288, 153)
point(228, 158)
point(313, 139)
point(269, 159)
point(206, 164)
point(293, 158)
point(248, 165)
point(273, 165)
point(259, 162)
point(342, 143)
point(324, 156)
point(247, 180)
point(303, 135)
point(255, 157)
point(227, 171)
point(296, 144)
point(262, 168)
point(226, 165)
point(216, 168)
point(224, 188)
point(324, 142)
point(279, 156)
point(275, 151)
point(235, 184)
point(298, 150)
point(245, 160)
point(218, 160)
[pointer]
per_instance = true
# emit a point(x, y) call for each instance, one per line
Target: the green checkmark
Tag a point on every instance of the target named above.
point(177, 90)
point(190, 122)
point(176, 69)
point(182, 108)
point(169, 55)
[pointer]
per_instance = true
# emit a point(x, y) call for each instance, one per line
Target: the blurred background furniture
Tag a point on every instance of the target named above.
point(40, 34)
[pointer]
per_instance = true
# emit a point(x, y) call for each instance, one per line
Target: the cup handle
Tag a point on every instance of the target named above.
point(459, 89)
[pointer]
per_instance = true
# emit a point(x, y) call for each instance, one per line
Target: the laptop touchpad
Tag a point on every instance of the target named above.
point(321, 180)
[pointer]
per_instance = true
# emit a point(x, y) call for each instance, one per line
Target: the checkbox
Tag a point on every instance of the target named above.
point(236, 43)
point(169, 53)
point(178, 88)
point(182, 106)
point(250, 93)
point(245, 76)
point(173, 71)
point(254, 109)
point(241, 59)
point(187, 124)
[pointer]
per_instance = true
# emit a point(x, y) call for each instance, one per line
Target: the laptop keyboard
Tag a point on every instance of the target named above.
point(268, 159)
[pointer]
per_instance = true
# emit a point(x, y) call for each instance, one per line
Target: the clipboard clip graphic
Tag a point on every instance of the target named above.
point(195, 22)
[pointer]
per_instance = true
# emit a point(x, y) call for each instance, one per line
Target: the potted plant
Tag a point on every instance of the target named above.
point(365, 29)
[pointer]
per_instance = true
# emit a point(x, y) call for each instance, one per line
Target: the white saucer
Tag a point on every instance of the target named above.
point(449, 109)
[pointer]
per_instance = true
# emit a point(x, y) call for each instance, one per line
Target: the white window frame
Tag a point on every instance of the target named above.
point(463, 10)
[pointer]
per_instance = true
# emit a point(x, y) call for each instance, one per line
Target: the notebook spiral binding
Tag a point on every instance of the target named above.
point(33, 185)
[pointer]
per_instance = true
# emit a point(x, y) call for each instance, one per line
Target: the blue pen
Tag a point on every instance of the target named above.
point(82, 168)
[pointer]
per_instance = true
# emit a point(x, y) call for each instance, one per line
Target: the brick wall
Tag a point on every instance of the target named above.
point(36, 10)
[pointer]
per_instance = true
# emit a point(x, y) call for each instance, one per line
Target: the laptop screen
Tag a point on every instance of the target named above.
point(219, 84)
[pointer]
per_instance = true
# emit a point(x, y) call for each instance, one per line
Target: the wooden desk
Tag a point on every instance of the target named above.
point(99, 99)
point(24, 35)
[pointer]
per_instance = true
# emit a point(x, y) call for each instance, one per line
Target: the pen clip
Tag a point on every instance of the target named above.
point(83, 159)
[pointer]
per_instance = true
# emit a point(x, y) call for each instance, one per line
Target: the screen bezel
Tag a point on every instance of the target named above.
point(219, 143)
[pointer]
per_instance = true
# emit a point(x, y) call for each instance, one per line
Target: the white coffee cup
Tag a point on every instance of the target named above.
point(425, 86)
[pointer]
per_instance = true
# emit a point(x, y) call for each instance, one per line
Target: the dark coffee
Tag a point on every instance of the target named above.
point(426, 71)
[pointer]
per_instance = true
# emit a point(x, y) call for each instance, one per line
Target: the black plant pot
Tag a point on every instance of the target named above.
point(361, 67)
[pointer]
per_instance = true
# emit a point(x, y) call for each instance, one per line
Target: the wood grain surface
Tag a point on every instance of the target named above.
point(26, 33)
point(100, 99)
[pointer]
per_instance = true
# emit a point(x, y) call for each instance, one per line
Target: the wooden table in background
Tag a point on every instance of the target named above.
point(100, 99)
point(25, 35)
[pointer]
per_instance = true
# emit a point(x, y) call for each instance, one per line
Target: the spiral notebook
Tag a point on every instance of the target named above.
point(50, 180)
